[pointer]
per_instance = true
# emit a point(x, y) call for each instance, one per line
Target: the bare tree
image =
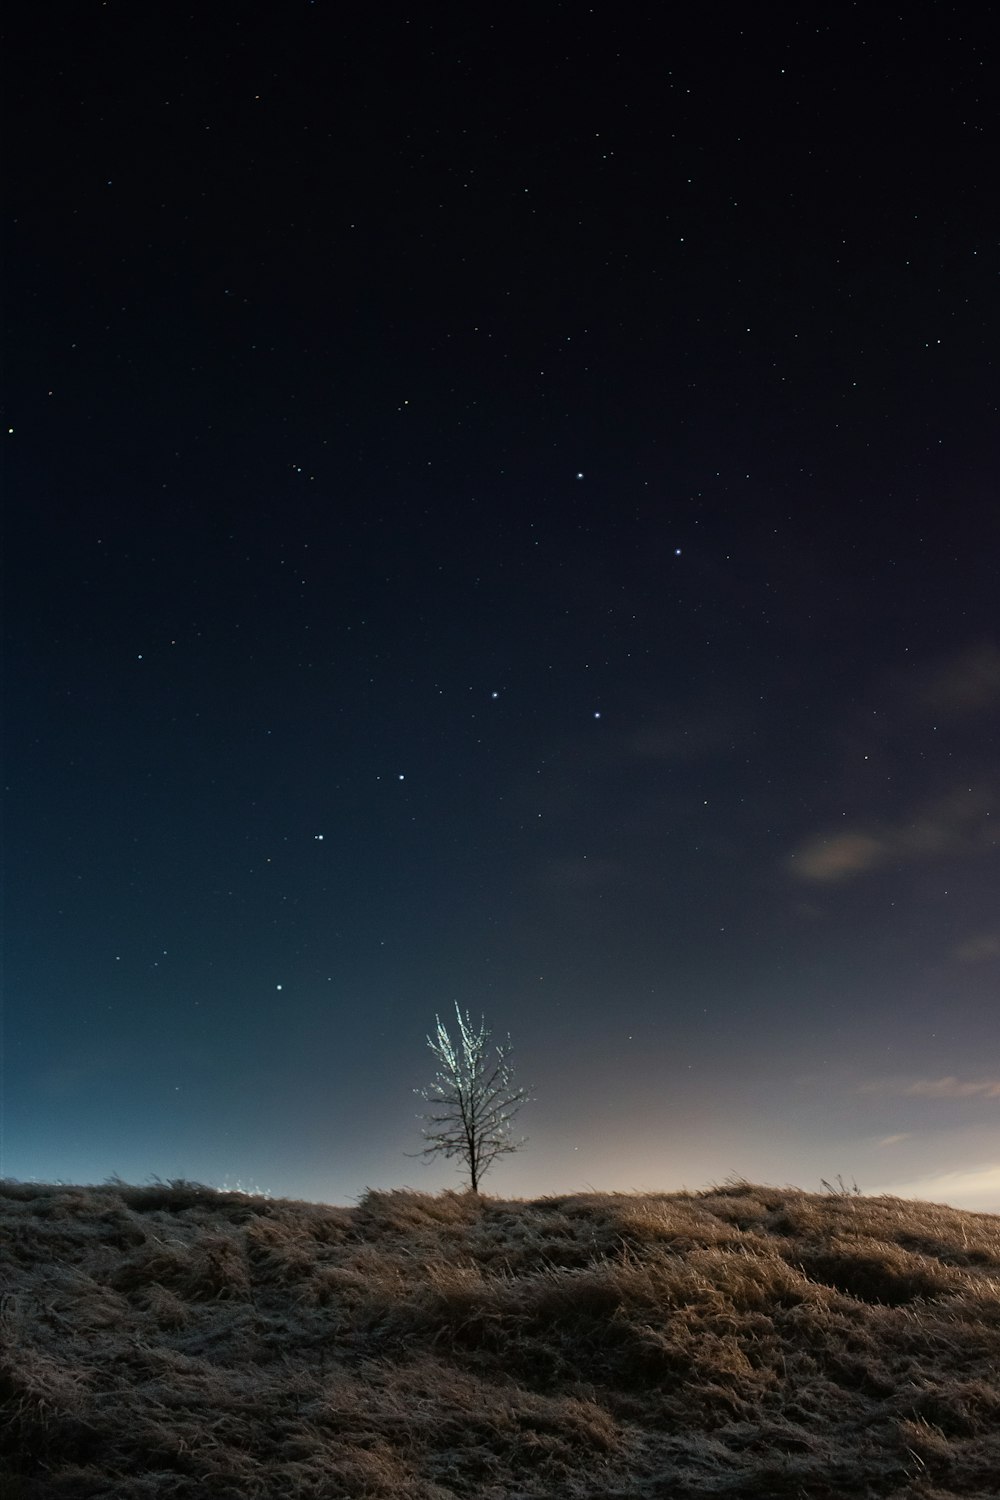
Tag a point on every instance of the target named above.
point(473, 1099)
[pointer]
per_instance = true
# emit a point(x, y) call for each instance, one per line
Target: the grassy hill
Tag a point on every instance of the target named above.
point(175, 1341)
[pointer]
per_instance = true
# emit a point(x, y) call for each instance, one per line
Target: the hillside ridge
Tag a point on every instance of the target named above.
point(741, 1340)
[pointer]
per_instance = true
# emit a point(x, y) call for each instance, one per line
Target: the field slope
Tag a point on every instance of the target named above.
point(170, 1340)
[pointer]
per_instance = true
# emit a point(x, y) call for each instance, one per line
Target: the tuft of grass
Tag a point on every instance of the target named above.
point(744, 1341)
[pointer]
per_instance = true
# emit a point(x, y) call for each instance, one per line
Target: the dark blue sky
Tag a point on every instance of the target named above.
point(503, 513)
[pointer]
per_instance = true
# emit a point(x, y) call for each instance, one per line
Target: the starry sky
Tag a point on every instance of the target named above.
point(501, 508)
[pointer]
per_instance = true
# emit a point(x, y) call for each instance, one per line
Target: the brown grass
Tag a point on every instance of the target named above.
point(745, 1341)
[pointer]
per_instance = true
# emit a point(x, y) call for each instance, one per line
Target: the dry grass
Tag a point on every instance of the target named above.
point(746, 1341)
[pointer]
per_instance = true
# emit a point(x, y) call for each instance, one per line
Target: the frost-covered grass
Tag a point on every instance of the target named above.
point(744, 1341)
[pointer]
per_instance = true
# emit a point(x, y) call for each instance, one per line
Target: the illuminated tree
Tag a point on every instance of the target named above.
point(473, 1099)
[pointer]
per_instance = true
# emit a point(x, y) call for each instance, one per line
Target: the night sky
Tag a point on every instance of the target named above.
point(502, 508)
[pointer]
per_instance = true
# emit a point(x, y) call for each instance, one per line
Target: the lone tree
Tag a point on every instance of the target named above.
point(473, 1099)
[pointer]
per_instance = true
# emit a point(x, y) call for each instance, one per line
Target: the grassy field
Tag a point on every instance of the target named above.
point(171, 1340)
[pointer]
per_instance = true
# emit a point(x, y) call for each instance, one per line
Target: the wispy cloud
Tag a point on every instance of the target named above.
point(904, 732)
point(935, 1088)
point(958, 824)
point(963, 684)
point(979, 949)
point(896, 1140)
point(974, 1188)
point(953, 1088)
point(691, 734)
point(838, 857)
